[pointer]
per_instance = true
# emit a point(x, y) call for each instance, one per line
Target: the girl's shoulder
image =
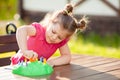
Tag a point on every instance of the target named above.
point(36, 24)
point(40, 30)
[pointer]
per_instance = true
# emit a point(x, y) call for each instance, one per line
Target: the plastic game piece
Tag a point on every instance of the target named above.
point(44, 61)
point(14, 60)
point(32, 60)
point(31, 69)
point(41, 59)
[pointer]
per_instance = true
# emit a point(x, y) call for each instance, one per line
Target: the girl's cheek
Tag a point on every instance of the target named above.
point(48, 33)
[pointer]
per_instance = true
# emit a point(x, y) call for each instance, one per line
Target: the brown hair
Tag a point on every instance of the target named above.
point(66, 19)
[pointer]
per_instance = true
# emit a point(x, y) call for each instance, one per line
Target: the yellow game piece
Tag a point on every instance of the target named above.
point(36, 59)
point(25, 59)
point(44, 60)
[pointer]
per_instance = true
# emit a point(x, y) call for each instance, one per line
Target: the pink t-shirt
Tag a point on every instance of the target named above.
point(38, 43)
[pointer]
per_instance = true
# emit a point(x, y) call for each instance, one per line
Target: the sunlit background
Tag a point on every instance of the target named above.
point(102, 38)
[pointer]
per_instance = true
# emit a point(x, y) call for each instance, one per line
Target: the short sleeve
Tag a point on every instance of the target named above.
point(63, 43)
point(39, 30)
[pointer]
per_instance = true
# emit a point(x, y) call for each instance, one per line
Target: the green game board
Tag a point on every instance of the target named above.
point(32, 69)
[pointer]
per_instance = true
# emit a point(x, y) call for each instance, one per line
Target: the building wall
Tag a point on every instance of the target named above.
point(89, 7)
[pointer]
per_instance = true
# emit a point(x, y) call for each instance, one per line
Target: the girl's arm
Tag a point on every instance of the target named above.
point(65, 57)
point(21, 36)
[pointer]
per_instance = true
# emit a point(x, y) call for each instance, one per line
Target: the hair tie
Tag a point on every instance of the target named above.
point(66, 12)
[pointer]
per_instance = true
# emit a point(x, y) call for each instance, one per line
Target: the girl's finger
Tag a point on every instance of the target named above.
point(35, 55)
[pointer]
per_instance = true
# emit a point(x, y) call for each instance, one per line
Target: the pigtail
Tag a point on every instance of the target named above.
point(68, 9)
point(82, 24)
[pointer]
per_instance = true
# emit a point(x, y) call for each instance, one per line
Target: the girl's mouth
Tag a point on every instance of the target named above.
point(51, 41)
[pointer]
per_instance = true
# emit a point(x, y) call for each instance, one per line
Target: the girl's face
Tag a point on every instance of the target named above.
point(55, 33)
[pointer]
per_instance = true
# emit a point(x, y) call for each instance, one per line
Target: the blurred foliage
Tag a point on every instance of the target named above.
point(107, 40)
point(8, 8)
point(94, 44)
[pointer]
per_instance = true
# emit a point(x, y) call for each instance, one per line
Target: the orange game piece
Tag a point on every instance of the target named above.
point(32, 59)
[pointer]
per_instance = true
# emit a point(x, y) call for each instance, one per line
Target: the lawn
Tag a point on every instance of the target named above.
point(94, 44)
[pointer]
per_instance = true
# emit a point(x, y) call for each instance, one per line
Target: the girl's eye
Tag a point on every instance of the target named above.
point(53, 31)
point(59, 38)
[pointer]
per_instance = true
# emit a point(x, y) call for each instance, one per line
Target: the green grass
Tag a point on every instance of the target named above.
point(8, 8)
point(93, 44)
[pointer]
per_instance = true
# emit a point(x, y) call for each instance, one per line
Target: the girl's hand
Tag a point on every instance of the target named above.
point(30, 54)
point(50, 62)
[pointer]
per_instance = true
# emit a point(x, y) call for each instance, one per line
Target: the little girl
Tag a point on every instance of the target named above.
point(38, 40)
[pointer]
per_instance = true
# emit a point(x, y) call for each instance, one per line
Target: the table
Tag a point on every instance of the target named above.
point(82, 67)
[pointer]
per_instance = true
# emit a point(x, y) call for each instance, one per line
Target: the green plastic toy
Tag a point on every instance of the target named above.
point(31, 69)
